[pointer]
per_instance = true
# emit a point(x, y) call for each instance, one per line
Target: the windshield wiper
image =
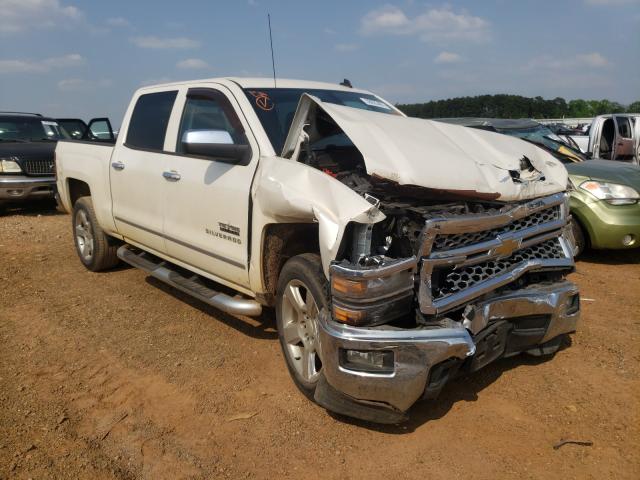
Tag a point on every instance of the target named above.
point(17, 140)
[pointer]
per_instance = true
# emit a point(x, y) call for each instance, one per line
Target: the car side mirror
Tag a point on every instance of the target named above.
point(216, 145)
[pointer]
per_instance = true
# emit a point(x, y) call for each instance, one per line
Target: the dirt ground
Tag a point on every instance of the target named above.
point(115, 376)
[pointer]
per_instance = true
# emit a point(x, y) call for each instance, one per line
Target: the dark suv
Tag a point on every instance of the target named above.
point(27, 144)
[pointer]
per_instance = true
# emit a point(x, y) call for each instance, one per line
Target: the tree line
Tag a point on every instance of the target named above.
point(515, 106)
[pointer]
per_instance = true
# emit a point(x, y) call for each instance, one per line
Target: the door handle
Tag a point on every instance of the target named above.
point(172, 176)
point(117, 165)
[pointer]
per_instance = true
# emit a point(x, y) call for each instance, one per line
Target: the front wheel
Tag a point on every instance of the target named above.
point(579, 237)
point(301, 295)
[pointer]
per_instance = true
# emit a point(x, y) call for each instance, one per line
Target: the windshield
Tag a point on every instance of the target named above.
point(29, 129)
point(275, 107)
point(544, 137)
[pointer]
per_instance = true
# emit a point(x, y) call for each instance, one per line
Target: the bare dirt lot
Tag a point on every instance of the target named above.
point(113, 375)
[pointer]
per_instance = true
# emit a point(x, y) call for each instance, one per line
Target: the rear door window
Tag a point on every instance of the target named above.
point(148, 125)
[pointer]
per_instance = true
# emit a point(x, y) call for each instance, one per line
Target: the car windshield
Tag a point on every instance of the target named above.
point(544, 137)
point(29, 129)
point(275, 108)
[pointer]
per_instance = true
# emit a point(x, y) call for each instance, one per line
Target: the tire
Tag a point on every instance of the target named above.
point(96, 250)
point(302, 292)
point(579, 236)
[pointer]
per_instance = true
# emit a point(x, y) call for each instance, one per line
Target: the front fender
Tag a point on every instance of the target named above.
point(286, 191)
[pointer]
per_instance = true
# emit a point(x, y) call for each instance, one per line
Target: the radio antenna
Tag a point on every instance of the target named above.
point(273, 62)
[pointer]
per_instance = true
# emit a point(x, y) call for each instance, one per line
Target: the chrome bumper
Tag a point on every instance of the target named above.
point(417, 351)
point(17, 188)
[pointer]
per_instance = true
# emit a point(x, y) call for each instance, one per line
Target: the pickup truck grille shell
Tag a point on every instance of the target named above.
point(464, 257)
point(457, 240)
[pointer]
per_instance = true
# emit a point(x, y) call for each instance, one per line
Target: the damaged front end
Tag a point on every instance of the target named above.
point(443, 280)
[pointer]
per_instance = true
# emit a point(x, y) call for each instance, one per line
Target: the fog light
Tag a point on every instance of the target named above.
point(373, 361)
point(14, 193)
point(628, 240)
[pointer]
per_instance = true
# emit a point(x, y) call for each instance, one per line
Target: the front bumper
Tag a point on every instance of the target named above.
point(19, 188)
point(418, 353)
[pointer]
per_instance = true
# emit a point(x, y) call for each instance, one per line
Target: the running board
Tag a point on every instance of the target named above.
point(162, 270)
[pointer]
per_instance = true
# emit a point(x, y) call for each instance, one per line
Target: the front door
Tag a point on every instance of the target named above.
point(624, 138)
point(136, 172)
point(208, 203)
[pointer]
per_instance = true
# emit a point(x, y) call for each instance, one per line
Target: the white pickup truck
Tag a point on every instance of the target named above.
point(397, 252)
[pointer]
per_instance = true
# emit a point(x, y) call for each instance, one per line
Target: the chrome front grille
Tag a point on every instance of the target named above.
point(467, 256)
point(454, 280)
point(38, 167)
point(457, 240)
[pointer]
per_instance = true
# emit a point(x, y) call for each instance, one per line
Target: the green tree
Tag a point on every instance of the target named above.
point(634, 107)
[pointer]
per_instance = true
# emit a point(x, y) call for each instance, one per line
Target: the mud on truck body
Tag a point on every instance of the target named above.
point(397, 252)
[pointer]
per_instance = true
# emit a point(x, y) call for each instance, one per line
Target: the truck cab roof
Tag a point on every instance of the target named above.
point(263, 82)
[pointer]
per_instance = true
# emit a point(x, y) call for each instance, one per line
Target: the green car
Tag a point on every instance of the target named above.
point(605, 195)
point(605, 204)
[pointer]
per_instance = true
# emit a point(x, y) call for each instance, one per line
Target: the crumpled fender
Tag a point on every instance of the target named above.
point(286, 191)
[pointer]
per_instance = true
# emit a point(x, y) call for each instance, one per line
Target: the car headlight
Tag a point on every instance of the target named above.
point(613, 193)
point(9, 165)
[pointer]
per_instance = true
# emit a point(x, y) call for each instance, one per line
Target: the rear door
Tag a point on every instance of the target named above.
point(624, 138)
point(208, 200)
point(138, 187)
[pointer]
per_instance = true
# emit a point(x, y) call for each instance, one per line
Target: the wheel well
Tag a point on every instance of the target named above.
point(77, 189)
point(281, 242)
point(581, 226)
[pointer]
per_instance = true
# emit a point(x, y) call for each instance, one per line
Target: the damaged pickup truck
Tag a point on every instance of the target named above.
point(397, 252)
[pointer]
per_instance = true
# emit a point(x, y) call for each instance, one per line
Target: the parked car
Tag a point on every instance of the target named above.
point(605, 198)
point(612, 137)
point(27, 143)
point(395, 250)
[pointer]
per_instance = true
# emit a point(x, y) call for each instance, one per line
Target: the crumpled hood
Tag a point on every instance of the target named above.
point(435, 155)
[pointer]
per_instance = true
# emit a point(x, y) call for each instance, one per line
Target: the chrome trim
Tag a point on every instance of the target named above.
point(385, 270)
point(416, 351)
point(184, 244)
point(25, 182)
point(480, 222)
point(221, 301)
point(494, 249)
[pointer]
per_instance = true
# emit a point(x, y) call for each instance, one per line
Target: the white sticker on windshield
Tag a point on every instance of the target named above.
point(375, 103)
point(47, 122)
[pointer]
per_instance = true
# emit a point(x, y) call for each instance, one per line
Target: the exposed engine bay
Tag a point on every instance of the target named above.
point(459, 241)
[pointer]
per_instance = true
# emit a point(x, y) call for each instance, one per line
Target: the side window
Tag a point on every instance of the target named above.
point(209, 117)
point(149, 120)
point(624, 127)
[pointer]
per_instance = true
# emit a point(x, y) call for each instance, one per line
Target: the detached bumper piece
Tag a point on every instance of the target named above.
point(389, 369)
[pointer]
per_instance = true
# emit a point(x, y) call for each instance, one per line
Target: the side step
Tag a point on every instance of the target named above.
point(193, 286)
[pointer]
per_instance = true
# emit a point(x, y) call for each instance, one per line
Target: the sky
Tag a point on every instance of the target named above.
point(72, 58)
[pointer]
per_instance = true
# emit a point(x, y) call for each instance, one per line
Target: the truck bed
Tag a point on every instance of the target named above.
point(88, 162)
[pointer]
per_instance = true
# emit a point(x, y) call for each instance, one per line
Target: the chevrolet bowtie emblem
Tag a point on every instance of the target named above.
point(508, 246)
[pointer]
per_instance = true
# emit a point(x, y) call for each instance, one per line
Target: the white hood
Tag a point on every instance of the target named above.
point(435, 155)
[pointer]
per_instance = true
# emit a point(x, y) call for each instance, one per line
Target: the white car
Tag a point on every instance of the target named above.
point(396, 251)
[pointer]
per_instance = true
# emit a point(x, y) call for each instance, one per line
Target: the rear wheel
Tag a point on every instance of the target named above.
point(302, 294)
point(97, 251)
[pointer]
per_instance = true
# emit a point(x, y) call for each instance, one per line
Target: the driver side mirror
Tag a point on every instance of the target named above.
point(216, 145)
